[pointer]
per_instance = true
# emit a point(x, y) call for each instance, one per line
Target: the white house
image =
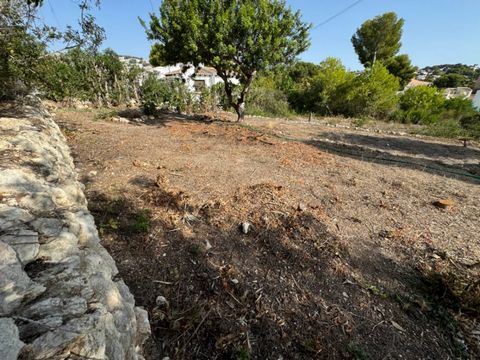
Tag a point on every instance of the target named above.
point(195, 79)
point(458, 92)
point(476, 101)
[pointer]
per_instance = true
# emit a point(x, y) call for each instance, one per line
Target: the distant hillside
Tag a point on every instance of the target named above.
point(470, 72)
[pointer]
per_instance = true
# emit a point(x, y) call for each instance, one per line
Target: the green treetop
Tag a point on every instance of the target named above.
point(237, 38)
point(378, 38)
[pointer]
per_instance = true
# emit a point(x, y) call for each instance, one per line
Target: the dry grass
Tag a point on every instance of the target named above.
point(368, 266)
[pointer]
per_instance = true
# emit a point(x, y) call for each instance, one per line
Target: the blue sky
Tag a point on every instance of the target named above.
point(435, 31)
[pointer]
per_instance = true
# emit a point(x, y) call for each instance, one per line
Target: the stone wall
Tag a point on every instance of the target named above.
point(59, 292)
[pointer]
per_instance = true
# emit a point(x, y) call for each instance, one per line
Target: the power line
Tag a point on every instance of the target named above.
point(53, 13)
point(337, 14)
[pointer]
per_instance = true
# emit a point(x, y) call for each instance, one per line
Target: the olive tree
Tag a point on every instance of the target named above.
point(239, 38)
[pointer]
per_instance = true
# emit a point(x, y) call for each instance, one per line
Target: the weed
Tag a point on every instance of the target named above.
point(361, 122)
point(310, 346)
point(196, 249)
point(378, 292)
point(242, 354)
point(356, 351)
point(111, 225)
point(142, 222)
point(104, 114)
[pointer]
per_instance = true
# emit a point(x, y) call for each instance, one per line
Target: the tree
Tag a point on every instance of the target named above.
point(329, 86)
point(24, 40)
point(451, 81)
point(266, 98)
point(237, 38)
point(421, 104)
point(100, 78)
point(295, 81)
point(372, 93)
point(402, 68)
point(156, 55)
point(378, 39)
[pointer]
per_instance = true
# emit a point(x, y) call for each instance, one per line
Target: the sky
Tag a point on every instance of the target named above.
point(435, 31)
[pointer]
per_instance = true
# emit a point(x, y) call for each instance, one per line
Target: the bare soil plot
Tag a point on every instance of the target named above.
point(347, 255)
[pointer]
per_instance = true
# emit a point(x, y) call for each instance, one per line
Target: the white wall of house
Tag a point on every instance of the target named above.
point(476, 101)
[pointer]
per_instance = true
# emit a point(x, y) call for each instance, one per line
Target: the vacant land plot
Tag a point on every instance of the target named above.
point(359, 245)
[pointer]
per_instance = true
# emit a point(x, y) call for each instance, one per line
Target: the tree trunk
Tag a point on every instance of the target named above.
point(240, 110)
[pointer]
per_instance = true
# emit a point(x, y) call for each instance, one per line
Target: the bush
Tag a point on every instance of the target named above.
point(153, 94)
point(420, 105)
point(165, 94)
point(372, 93)
point(457, 108)
point(100, 78)
point(212, 98)
point(329, 87)
point(267, 102)
point(19, 52)
point(447, 128)
point(471, 124)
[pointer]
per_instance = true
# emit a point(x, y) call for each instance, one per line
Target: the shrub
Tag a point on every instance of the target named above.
point(471, 124)
point(100, 78)
point(372, 93)
point(457, 108)
point(165, 94)
point(328, 88)
point(421, 104)
point(266, 99)
point(153, 93)
point(19, 52)
point(267, 102)
point(447, 128)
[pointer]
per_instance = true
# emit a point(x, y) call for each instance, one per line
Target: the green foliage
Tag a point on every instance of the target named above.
point(422, 104)
point(24, 39)
point(165, 94)
point(452, 118)
point(238, 39)
point(470, 72)
point(19, 52)
point(451, 81)
point(446, 128)
point(378, 39)
point(153, 93)
point(330, 87)
point(78, 74)
point(295, 81)
point(471, 124)
point(456, 108)
point(421, 97)
point(372, 93)
point(142, 222)
point(402, 68)
point(266, 100)
point(157, 56)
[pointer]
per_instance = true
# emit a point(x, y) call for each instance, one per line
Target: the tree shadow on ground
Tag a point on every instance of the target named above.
point(465, 172)
point(285, 289)
point(161, 117)
point(407, 145)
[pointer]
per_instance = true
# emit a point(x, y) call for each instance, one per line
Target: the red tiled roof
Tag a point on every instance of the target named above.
point(415, 83)
point(174, 72)
point(207, 71)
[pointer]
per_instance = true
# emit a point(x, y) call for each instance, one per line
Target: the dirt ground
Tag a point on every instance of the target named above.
point(361, 245)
